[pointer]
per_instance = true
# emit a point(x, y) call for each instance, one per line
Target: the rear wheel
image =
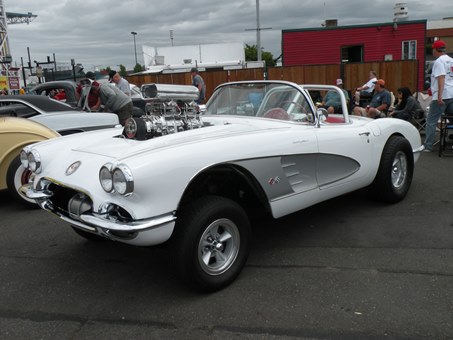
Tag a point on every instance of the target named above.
point(211, 243)
point(17, 176)
point(396, 169)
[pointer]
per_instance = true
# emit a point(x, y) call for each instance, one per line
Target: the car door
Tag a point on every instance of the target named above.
point(345, 153)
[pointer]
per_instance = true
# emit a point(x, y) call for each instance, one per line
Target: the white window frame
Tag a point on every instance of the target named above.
point(409, 50)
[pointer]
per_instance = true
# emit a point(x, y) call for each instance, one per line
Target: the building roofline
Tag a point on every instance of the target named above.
point(406, 22)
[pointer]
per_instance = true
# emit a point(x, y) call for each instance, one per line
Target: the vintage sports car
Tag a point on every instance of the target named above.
point(15, 133)
point(195, 179)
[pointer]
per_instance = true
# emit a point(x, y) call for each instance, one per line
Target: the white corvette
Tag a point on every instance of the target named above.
point(193, 178)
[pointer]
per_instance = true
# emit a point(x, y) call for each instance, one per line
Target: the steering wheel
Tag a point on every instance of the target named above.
point(299, 105)
point(277, 113)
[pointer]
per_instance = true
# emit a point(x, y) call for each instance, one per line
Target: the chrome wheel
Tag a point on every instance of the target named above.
point(218, 247)
point(399, 169)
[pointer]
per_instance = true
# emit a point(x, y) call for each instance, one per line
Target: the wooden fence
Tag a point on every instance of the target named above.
point(395, 73)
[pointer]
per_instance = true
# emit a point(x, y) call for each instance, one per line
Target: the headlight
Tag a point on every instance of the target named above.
point(105, 177)
point(24, 159)
point(34, 161)
point(123, 182)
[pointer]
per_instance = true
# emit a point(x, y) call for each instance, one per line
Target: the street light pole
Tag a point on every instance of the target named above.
point(135, 47)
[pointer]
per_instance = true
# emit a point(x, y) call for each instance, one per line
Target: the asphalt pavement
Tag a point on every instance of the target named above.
point(349, 268)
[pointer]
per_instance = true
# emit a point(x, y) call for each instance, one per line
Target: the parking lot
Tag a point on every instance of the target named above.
point(349, 268)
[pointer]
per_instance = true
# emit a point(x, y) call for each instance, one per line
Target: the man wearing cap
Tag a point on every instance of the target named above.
point(198, 82)
point(379, 104)
point(442, 90)
point(120, 82)
point(332, 99)
point(83, 90)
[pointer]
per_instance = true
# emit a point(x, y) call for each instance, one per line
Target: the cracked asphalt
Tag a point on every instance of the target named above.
point(349, 268)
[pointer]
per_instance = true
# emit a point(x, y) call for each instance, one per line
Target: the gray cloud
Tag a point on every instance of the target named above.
point(97, 32)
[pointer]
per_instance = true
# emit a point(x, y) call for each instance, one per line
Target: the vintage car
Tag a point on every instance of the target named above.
point(49, 89)
point(58, 117)
point(54, 114)
point(195, 179)
point(15, 133)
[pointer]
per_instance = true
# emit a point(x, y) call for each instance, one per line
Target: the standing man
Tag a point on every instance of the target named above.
point(120, 82)
point(441, 88)
point(114, 100)
point(198, 82)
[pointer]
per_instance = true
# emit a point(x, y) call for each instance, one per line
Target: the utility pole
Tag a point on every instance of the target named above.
point(135, 48)
point(258, 30)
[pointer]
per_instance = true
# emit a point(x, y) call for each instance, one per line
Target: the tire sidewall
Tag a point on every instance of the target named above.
point(189, 230)
point(13, 182)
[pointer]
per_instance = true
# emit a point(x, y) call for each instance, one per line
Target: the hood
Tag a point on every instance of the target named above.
point(120, 148)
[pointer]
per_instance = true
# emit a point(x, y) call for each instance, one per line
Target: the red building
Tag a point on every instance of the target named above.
point(402, 40)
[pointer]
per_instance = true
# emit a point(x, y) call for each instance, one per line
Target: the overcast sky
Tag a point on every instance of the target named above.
point(97, 33)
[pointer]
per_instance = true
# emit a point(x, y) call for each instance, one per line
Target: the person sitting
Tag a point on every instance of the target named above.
point(407, 105)
point(332, 100)
point(366, 89)
point(379, 104)
point(60, 95)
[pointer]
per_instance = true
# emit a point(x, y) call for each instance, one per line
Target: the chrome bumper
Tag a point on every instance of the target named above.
point(91, 220)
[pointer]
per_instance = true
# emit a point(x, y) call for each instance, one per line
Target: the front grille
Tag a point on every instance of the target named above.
point(60, 199)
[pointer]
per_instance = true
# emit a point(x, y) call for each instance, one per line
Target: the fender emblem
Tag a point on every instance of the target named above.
point(273, 180)
point(72, 168)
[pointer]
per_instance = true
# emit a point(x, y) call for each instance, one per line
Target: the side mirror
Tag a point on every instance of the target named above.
point(321, 115)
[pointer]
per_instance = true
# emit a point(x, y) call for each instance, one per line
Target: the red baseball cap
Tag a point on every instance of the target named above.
point(440, 45)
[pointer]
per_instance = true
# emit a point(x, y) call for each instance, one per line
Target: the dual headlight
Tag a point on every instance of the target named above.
point(31, 161)
point(116, 178)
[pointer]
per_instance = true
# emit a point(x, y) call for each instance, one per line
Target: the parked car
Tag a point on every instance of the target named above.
point(15, 133)
point(54, 114)
point(195, 179)
point(51, 87)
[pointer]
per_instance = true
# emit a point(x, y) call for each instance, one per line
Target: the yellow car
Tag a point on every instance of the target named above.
point(15, 133)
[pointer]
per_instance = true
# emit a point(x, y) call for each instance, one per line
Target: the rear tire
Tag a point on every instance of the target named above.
point(394, 176)
point(211, 243)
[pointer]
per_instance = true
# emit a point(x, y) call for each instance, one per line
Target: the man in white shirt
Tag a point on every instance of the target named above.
point(441, 88)
point(367, 88)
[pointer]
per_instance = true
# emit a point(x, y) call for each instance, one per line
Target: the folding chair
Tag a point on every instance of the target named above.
point(419, 120)
point(446, 132)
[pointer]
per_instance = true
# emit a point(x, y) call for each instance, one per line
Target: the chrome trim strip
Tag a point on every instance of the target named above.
point(419, 149)
point(139, 225)
point(27, 191)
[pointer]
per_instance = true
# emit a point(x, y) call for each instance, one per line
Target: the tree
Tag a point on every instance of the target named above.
point(251, 54)
point(122, 70)
point(138, 68)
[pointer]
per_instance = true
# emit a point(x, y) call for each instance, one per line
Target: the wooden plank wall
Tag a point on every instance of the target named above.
point(395, 73)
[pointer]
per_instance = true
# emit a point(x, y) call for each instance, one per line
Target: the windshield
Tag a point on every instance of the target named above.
point(267, 100)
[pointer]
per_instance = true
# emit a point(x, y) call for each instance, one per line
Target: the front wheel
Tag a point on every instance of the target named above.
point(211, 243)
point(17, 176)
point(396, 169)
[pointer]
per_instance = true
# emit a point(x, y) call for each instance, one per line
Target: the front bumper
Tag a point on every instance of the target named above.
point(110, 221)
